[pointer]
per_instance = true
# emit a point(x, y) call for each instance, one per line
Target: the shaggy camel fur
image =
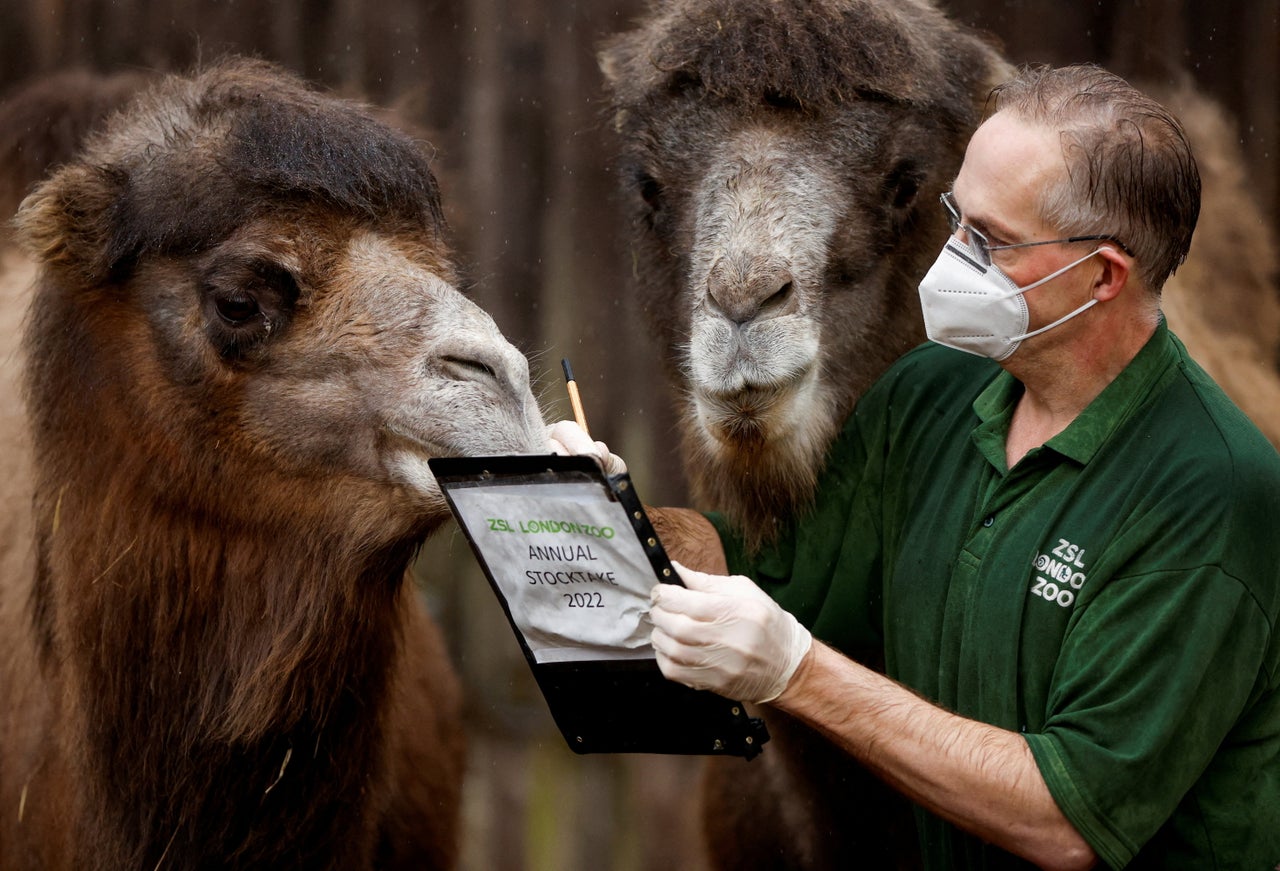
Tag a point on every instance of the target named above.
point(783, 161)
point(243, 343)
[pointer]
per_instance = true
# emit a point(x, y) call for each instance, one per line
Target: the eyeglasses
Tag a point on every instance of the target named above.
point(981, 247)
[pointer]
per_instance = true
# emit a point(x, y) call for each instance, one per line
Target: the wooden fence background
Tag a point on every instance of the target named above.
point(511, 94)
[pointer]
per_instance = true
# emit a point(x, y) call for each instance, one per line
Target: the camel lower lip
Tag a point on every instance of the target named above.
point(748, 402)
point(743, 416)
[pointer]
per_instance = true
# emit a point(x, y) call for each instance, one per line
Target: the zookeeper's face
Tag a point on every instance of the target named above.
point(1006, 167)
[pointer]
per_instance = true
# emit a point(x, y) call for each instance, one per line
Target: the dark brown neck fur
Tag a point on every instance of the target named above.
point(226, 648)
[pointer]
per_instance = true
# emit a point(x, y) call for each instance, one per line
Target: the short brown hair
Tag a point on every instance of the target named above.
point(1130, 170)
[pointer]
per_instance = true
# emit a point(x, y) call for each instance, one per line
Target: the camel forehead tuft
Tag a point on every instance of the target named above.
point(817, 53)
point(198, 158)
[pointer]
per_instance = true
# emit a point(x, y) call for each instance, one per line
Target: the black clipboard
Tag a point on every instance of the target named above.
point(603, 701)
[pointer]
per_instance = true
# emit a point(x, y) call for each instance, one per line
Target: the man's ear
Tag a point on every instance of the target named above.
point(1117, 268)
point(68, 222)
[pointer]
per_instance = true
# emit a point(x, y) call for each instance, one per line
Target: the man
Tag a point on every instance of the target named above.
point(1070, 552)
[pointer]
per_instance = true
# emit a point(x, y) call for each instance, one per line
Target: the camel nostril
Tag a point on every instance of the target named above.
point(746, 288)
point(778, 300)
point(749, 307)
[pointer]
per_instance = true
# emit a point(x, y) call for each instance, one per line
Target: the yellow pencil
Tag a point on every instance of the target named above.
point(574, 399)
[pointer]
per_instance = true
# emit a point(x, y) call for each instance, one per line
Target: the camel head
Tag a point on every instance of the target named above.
point(248, 305)
point(784, 160)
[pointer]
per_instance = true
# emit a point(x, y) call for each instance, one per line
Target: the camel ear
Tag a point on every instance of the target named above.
point(66, 222)
point(610, 63)
point(629, 72)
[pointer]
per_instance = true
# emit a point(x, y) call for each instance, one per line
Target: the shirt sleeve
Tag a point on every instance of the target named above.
point(1168, 661)
point(1142, 713)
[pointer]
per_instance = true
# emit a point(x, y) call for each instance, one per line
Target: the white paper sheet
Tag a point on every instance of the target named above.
point(568, 563)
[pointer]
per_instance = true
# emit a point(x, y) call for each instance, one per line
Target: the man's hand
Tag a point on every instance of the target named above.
point(723, 633)
point(567, 438)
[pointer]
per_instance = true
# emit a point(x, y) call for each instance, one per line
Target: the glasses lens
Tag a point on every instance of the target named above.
point(978, 245)
point(976, 241)
point(953, 215)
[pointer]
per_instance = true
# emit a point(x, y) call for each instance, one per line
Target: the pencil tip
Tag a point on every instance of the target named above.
point(568, 373)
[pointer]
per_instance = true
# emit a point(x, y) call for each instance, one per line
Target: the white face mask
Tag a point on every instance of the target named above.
point(980, 310)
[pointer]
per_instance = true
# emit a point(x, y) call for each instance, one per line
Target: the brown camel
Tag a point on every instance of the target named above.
point(788, 158)
point(244, 341)
point(784, 159)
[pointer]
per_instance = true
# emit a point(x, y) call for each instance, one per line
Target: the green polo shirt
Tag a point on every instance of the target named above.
point(1114, 597)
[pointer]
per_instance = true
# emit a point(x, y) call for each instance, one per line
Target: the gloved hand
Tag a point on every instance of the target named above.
point(567, 438)
point(724, 634)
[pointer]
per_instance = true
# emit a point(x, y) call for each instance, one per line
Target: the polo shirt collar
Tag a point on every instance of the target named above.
point(1083, 437)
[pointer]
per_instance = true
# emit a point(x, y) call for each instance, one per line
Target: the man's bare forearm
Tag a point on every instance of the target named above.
point(979, 777)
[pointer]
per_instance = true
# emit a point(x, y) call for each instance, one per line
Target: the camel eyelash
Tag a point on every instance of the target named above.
point(246, 304)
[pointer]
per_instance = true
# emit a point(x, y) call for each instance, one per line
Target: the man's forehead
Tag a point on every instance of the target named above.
point(1018, 148)
point(1007, 163)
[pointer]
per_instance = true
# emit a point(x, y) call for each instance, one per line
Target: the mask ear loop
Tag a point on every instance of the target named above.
point(1061, 320)
point(1069, 315)
point(1050, 277)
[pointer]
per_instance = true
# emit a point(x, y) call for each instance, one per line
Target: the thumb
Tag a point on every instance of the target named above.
point(728, 585)
point(694, 579)
point(571, 437)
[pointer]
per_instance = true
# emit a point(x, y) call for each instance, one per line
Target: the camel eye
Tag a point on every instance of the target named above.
point(779, 100)
point(684, 82)
point(902, 185)
point(650, 189)
point(246, 304)
point(237, 307)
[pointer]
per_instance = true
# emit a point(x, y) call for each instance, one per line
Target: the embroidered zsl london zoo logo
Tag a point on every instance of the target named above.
point(1059, 573)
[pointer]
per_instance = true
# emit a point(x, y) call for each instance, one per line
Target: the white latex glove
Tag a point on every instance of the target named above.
point(724, 634)
point(567, 438)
